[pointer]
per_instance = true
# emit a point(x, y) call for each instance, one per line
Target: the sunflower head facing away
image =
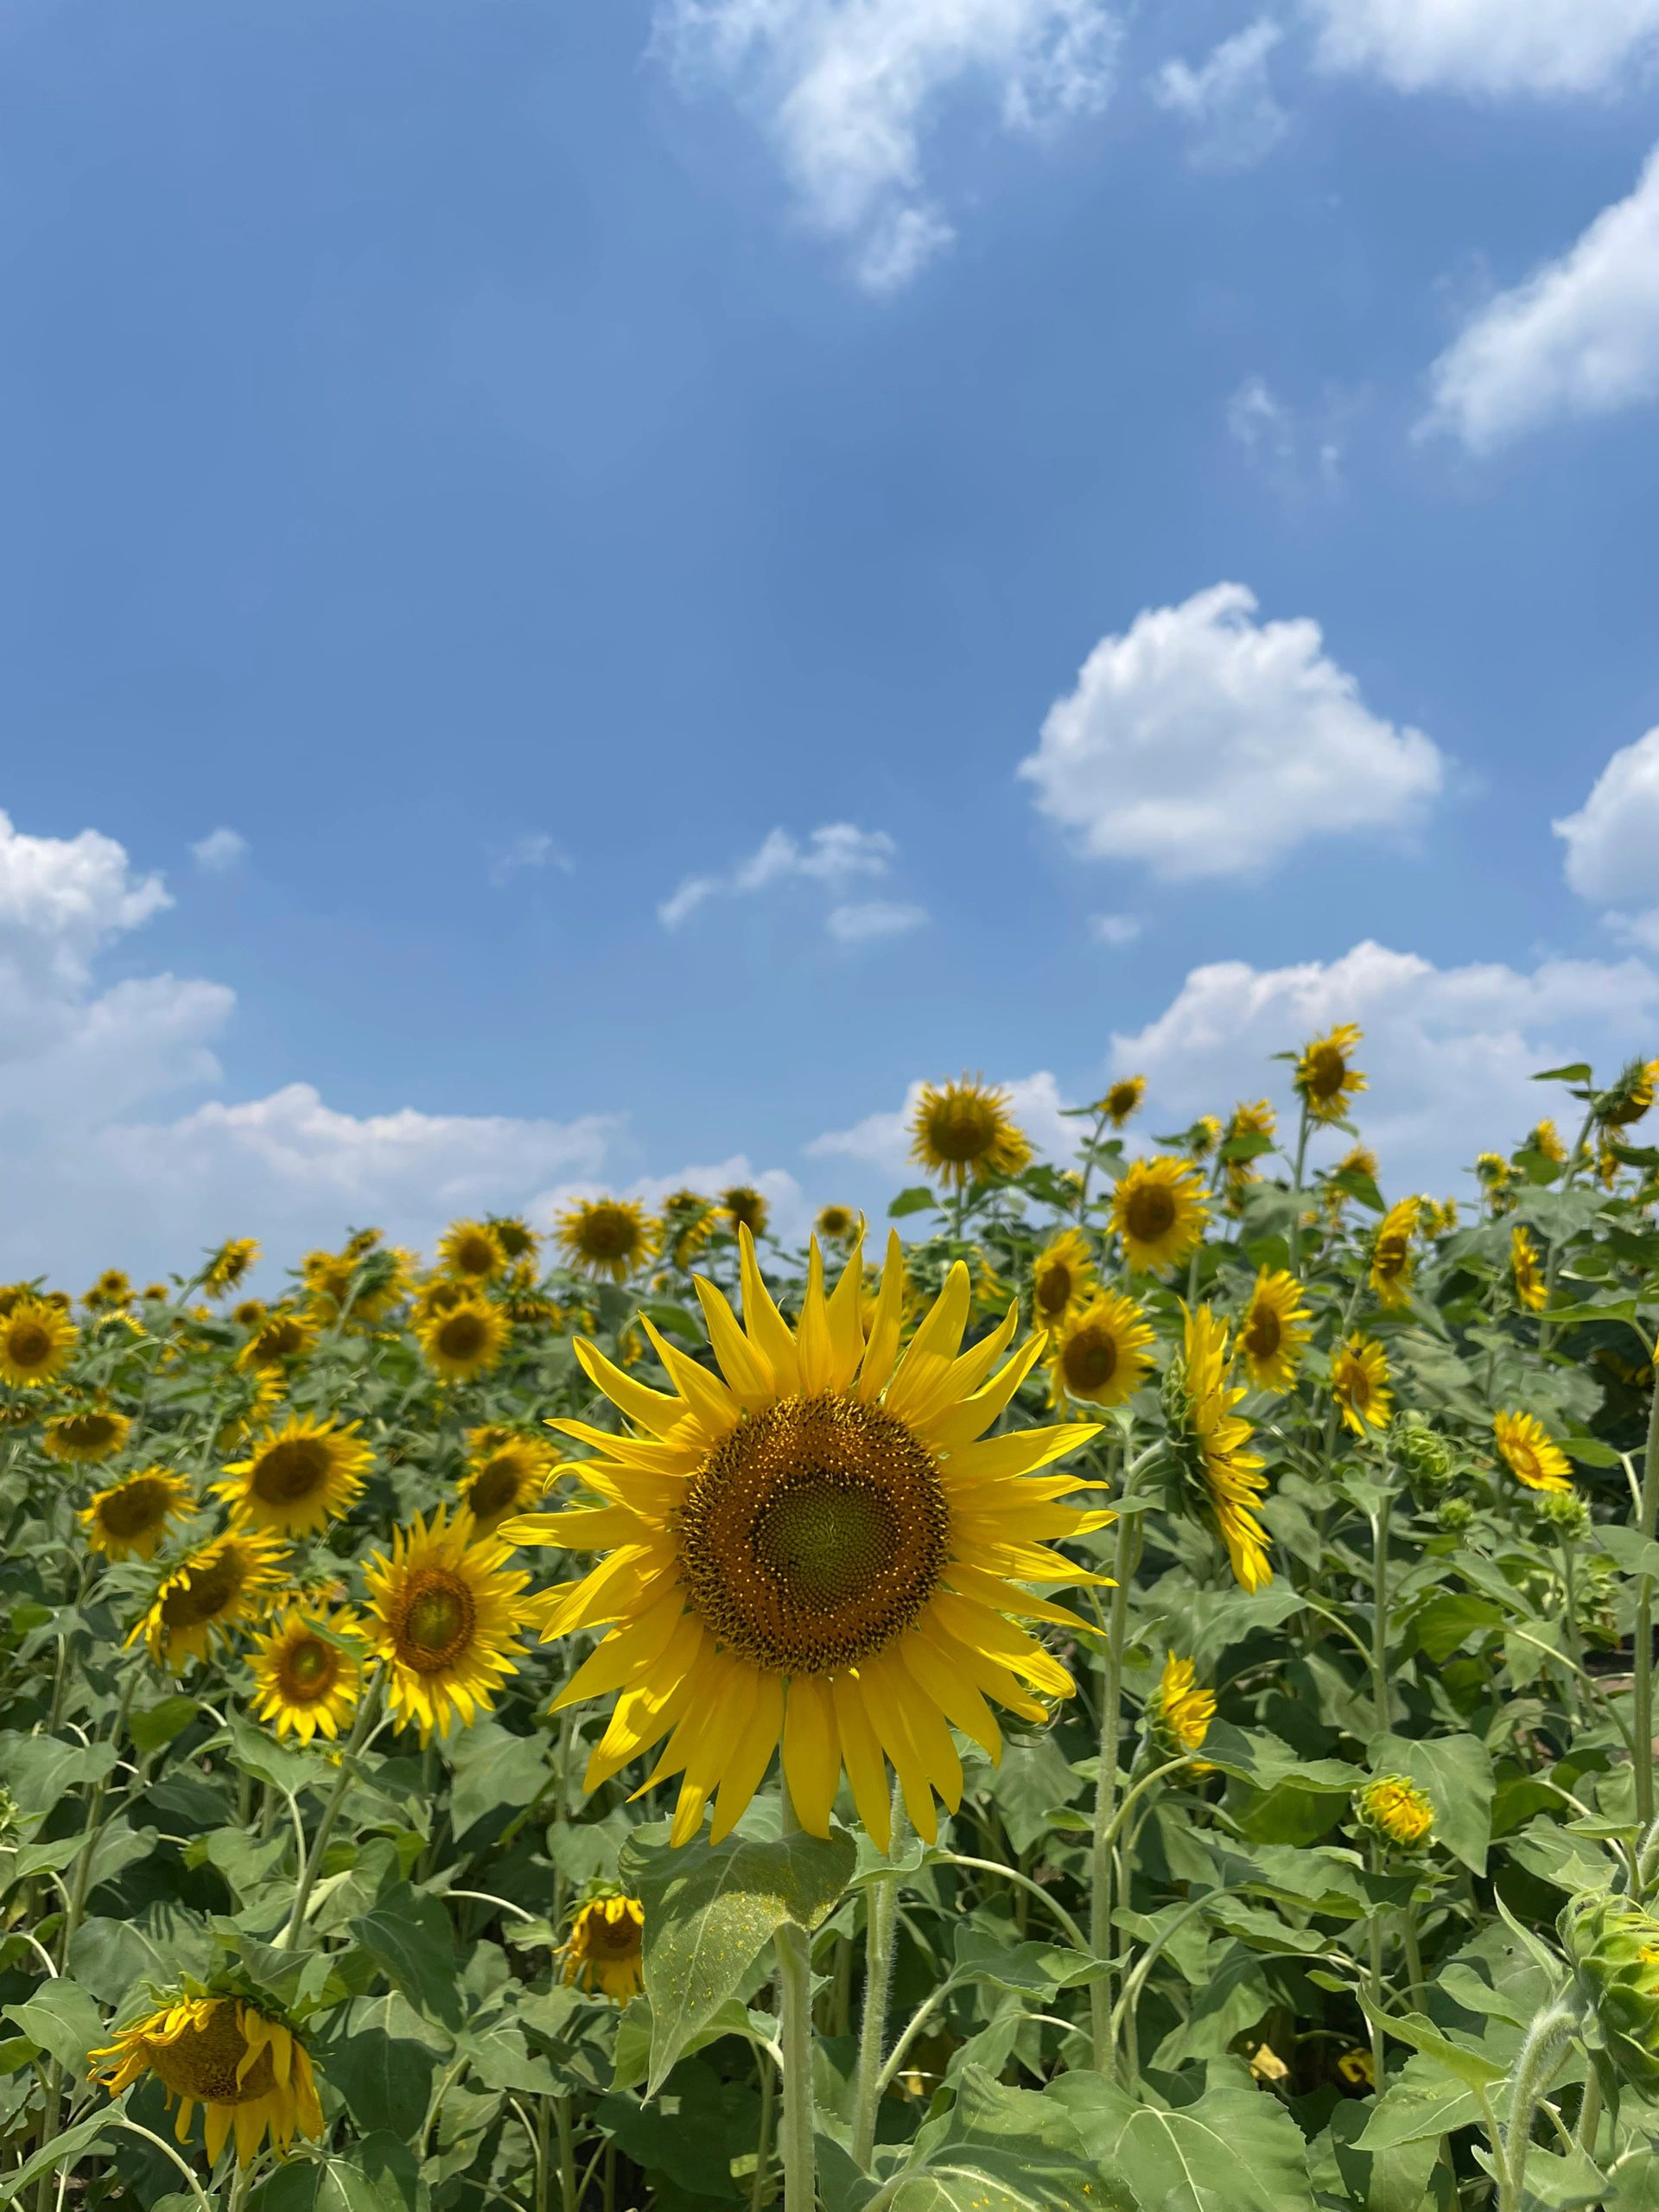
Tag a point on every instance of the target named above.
point(1204, 1136)
point(308, 1673)
point(688, 1221)
point(229, 1264)
point(1100, 1356)
point(1526, 1266)
point(607, 1237)
point(86, 1434)
point(817, 1546)
point(963, 1133)
point(446, 1619)
point(208, 1595)
point(1395, 1811)
point(1158, 1212)
point(298, 1479)
point(1271, 1337)
point(1213, 1443)
point(1062, 1279)
point(131, 1519)
point(36, 1337)
point(506, 1473)
point(605, 1949)
point(1545, 1139)
point(1530, 1454)
point(1630, 1097)
point(745, 1207)
point(1250, 1118)
point(1179, 1713)
point(1122, 1100)
point(1360, 1384)
point(1326, 1080)
point(1393, 1260)
point(467, 1339)
point(246, 2068)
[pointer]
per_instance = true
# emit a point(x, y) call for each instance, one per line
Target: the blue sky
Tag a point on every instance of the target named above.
point(502, 461)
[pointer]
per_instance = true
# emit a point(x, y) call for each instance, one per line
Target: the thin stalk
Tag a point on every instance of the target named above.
point(313, 1863)
point(1025, 1883)
point(543, 2155)
point(1553, 1262)
point(793, 1951)
point(1379, 2057)
point(1380, 1520)
point(1590, 2115)
point(567, 2153)
point(1100, 1862)
point(880, 1925)
point(1643, 1656)
point(1412, 1949)
point(1295, 1237)
point(763, 2140)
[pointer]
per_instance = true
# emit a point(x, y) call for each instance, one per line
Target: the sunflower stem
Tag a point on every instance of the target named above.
point(567, 2190)
point(307, 1879)
point(1553, 1262)
point(793, 1948)
point(1102, 2040)
point(1380, 1520)
point(881, 1921)
point(1295, 1237)
point(1642, 1657)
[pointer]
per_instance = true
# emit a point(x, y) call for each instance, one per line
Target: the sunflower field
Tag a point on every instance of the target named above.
point(1137, 1698)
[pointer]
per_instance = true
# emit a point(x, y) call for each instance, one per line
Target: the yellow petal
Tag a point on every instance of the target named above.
point(812, 1752)
point(746, 1769)
point(768, 1332)
point(886, 1325)
point(742, 1366)
point(867, 1772)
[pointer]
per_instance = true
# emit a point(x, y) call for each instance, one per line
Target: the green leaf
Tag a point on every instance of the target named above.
point(409, 1936)
point(1469, 2066)
point(1421, 2104)
point(1457, 1772)
point(159, 1723)
point(385, 2080)
point(691, 2135)
point(62, 2018)
point(1394, 2178)
point(377, 2175)
point(493, 1771)
point(1230, 2147)
point(1577, 1071)
point(1007, 2150)
point(62, 2152)
point(916, 1199)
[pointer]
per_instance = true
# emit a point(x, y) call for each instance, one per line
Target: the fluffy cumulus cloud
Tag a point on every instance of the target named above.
point(833, 856)
point(1227, 100)
point(1205, 743)
point(1579, 338)
point(846, 91)
point(1449, 1052)
point(1612, 842)
point(1488, 46)
point(880, 1142)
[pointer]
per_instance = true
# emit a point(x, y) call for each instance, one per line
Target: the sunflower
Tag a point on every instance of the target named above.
point(1062, 1278)
point(1630, 1097)
point(606, 1945)
point(1545, 1138)
point(276, 1340)
point(249, 1313)
point(130, 1519)
point(361, 1286)
point(155, 1293)
point(1232, 1479)
point(1270, 1339)
point(1325, 1079)
point(1204, 1136)
point(1250, 1118)
point(746, 1208)
point(1359, 1159)
point(446, 1617)
point(514, 1235)
point(1392, 1259)
point(838, 1224)
point(817, 1543)
point(1524, 1257)
point(1359, 1382)
point(505, 1474)
point(246, 2068)
point(86, 1434)
point(1122, 1100)
point(1179, 1713)
point(964, 1132)
point(36, 1337)
point(207, 1595)
point(608, 1236)
point(297, 1478)
point(112, 1290)
point(1099, 1356)
point(688, 1221)
point(472, 1250)
point(467, 1340)
point(308, 1673)
point(1159, 1211)
point(229, 1264)
point(1439, 1216)
point(1395, 1811)
point(1530, 1454)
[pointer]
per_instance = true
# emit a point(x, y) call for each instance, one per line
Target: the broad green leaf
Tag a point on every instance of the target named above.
point(1419, 2106)
point(1392, 2179)
point(409, 1937)
point(916, 1199)
point(63, 2150)
point(1469, 2066)
point(493, 1771)
point(689, 2135)
point(62, 2018)
point(1231, 2147)
point(378, 2174)
point(385, 2080)
point(159, 1724)
point(1457, 1773)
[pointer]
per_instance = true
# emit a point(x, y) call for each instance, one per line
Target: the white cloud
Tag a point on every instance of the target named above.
point(1205, 743)
point(219, 851)
point(1295, 454)
point(1228, 99)
point(835, 855)
point(847, 90)
point(1579, 338)
point(881, 1141)
point(1116, 929)
point(1612, 842)
point(534, 850)
point(872, 917)
point(1488, 47)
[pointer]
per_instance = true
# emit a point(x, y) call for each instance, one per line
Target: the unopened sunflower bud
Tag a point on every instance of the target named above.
point(1562, 1511)
point(1425, 1458)
point(1178, 1712)
point(1454, 1514)
point(1395, 1811)
point(1613, 1943)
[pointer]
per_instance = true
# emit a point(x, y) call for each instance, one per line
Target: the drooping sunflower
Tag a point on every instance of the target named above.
point(688, 1221)
point(447, 1618)
point(820, 1544)
point(745, 1207)
point(86, 1434)
point(1271, 1339)
point(964, 1132)
point(1100, 1356)
point(467, 1340)
point(606, 1236)
point(1393, 1262)
point(112, 1290)
point(246, 2068)
point(1122, 1100)
point(838, 1224)
point(1179, 1713)
point(1062, 1278)
point(606, 1947)
point(1526, 1266)
point(1360, 1384)
point(36, 1337)
point(1232, 1478)
point(308, 1673)
point(1545, 1138)
point(472, 1250)
point(1630, 1097)
point(1530, 1452)
point(506, 1473)
point(297, 1478)
point(1159, 1211)
point(229, 1264)
point(1327, 1079)
point(359, 1286)
point(276, 1339)
point(130, 1519)
point(207, 1595)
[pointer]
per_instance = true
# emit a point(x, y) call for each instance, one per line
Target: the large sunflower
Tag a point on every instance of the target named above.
point(465, 1340)
point(86, 1434)
point(446, 1618)
point(1062, 1278)
point(1158, 1212)
point(1233, 1482)
point(1327, 1079)
point(1100, 1357)
point(819, 1544)
point(130, 1519)
point(247, 2069)
point(1524, 1263)
point(964, 1132)
point(606, 1947)
point(1530, 1452)
point(1393, 1262)
point(229, 1264)
point(506, 1473)
point(36, 1338)
point(472, 1251)
point(308, 1674)
point(1270, 1337)
point(1360, 1384)
point(208, 1595)
point(297, 1478)
point(606, 1236)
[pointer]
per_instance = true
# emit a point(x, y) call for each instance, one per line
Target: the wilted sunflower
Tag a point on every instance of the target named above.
point(1525, 1265)
point(746, 1208)
point(130, 1519)
point(1395, 1811)
point(1231, 1477)
point(1100, 1357)
point(606, 1236)
point(308, 1673)
point(1530, 1452)
point(1179, 1716)
point(297, 1478)
point(447, 1618)
point(229, 1264)
point(112, 1290)
point(819, 1543)
point(207, 1595)
point(1325, 1079)
point(1271, 1339)
point(36, 1337)
point(246, 2068)
point(606, 1946)
point(964, 1132)
point(1393, 1260)
point(1545, 1138)
point(467, 1340)
point(1122, 1100)
point(1062, 1278)
point(1360, 1384)
point(1159, 1211)
point(472, 1250)
point(506, 1473)
point(838, 1224)
point(84, 1435)
point(276, 1340)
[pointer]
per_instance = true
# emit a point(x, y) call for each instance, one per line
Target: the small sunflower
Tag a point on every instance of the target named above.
point(156, 1293)
point(229, 1264)
point(1204, 1136)
point(1062, 1278)
point(112, 1290)
point(1393, 1260)
point(1179, 1716)
point(1632, 1095)
point(515, 1236)
point(963, 1133)
point(1439, 1216)
point(1122, 1100)
point(608, 1236)
point(246, 2068)
point(446, 1619)
point(1530, 1452)
point(838, 1224)
point(1545, 1138)
point(1526, 1267)
point(1100, 1357)
point(210, 1593)
point(276, 1339)
point(1159, 1211)
point(1327, 1079)
point(85, 1435)
point(506, 1473)
point(1395, 1811)
point(1250, 1118)
point(297, 1478)
point(471, 1251)
point(746, 1208)
point(1271, 1340)
point(36, 1337)
point(1359, 1159)
point(1360, 1384)
point(465, 1341)
point(308, 1673)
point(606, 1947)
point(130, 1519)
point(249, 1313)
point(1232, 1479)
point(688, 1221)
point(356, 1285)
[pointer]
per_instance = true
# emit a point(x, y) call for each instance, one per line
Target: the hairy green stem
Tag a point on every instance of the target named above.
point(881, 1921)
point(1380, 1520)
point(794, 1955)
point(1099, 1861)
point(1540, 2054)
point(1643, 1654)
point(312, 1866)
point(1295, 1237)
